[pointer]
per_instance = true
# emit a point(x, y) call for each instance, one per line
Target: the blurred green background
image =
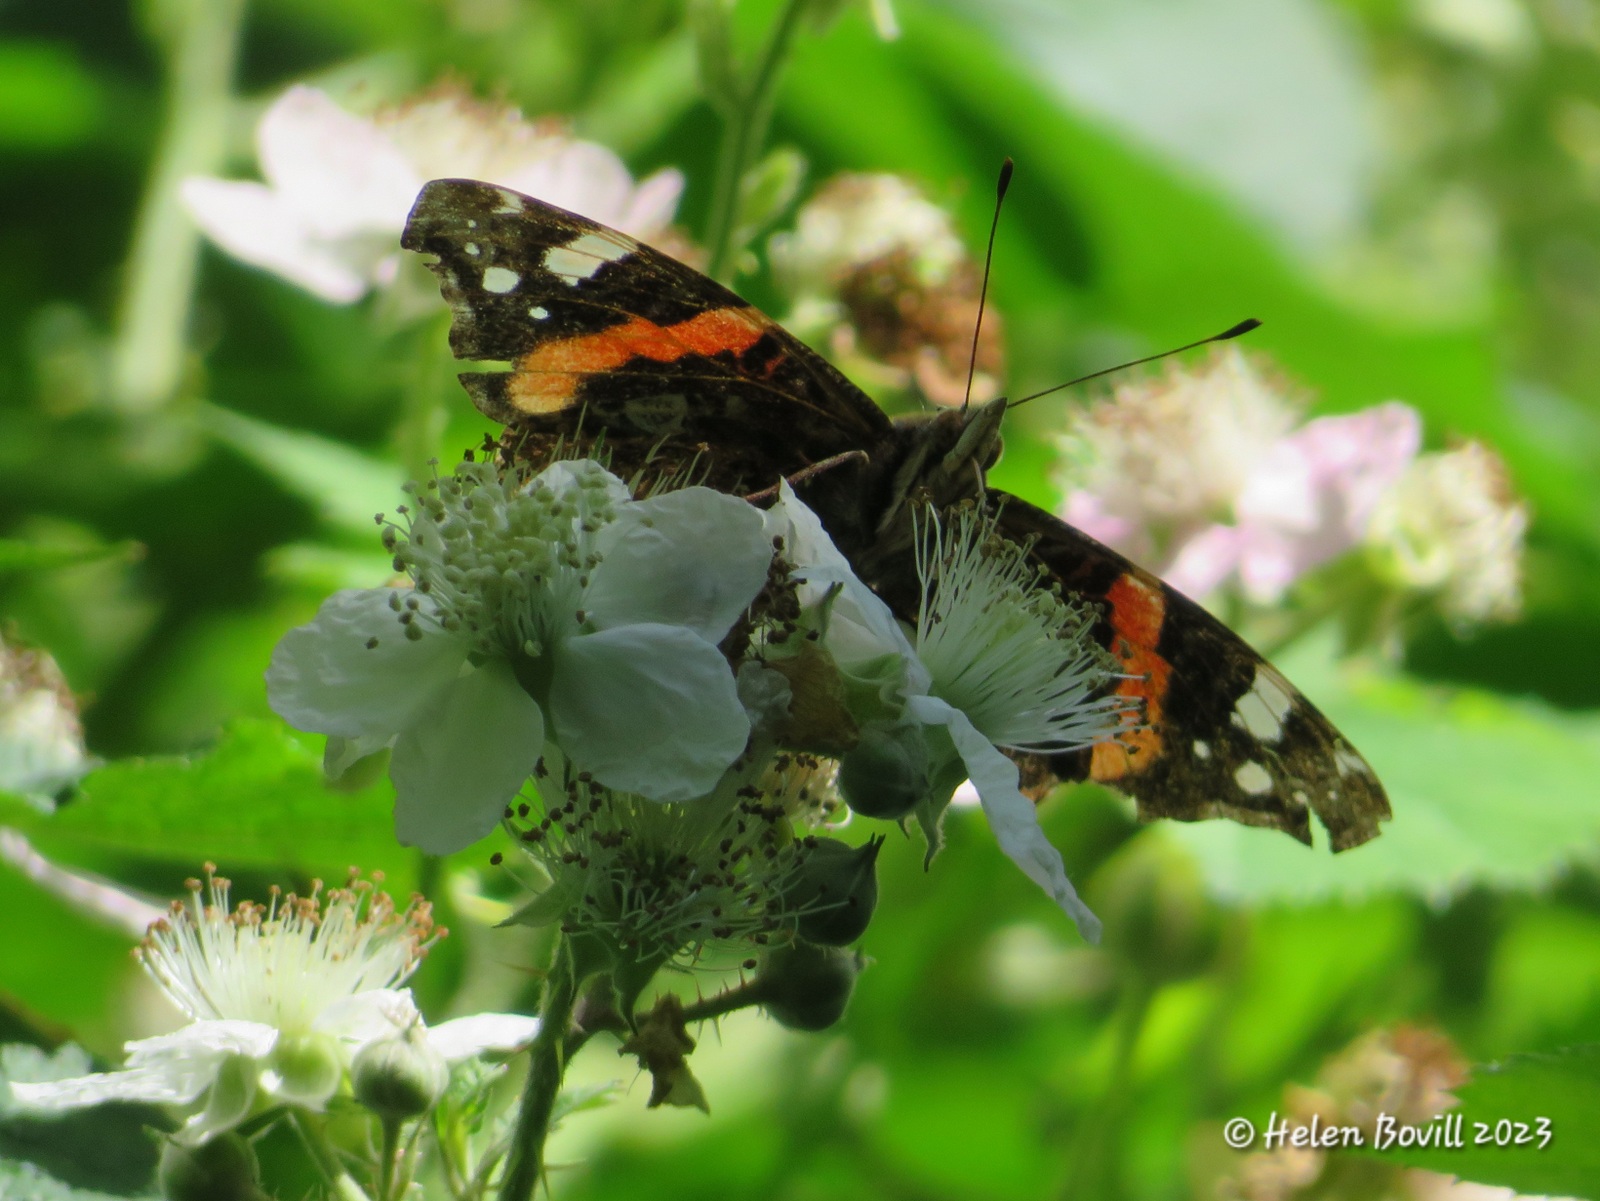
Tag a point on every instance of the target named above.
point(1405, 191)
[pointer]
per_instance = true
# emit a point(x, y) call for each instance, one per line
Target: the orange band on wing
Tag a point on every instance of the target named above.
point(1137, 611)
point(547, 378)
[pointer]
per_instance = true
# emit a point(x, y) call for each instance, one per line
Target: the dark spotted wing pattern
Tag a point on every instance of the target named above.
point(599, 328)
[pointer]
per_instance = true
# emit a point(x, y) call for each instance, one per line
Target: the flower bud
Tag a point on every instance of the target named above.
point(806, 987)
point(888, 772)
point(1156, 912)
point(310, 1067)
point(399, 1077)
point(836, 891)
point(223, 1169)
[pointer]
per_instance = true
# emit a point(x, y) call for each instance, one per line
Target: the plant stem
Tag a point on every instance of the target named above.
point(1093, 1164)
point(546, 1066)
point(744, 129)
point(391, 1156)
point(202, 44)
point(422, 413)
point(741, 996)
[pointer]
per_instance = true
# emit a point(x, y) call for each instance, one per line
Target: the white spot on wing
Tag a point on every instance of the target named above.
point(538, 312)
point(1253, 778)
point(1202, 749)
point(471, 248)
point(1348, 762)
point(1260, 712)
point(500, 279)
point(580, 258)
point(510, 202)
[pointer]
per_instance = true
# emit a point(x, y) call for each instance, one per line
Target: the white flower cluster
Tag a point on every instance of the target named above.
point(642, 651)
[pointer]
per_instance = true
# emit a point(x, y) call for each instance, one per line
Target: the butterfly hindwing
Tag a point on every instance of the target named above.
point(1225, 734)
point(602, 330)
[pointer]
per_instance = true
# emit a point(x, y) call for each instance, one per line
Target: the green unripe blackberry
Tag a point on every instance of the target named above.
point(806, 987)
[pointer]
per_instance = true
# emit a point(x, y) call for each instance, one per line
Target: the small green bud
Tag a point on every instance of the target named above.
point(1156, 912)
point(310, 1067)
point(399, 1077)
point(223, 1169)
point(806, 987)
point(888, 772)
point(836, 891)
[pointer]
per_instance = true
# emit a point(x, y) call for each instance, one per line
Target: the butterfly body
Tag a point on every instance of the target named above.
point(601, 333)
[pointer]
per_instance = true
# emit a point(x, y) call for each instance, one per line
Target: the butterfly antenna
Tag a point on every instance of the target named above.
point(988, 259)
point(1233, 331)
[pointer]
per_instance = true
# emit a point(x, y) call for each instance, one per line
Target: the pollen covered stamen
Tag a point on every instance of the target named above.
point(1008, 649)
point(500, 557)
point(284, 962)
point(659, 881)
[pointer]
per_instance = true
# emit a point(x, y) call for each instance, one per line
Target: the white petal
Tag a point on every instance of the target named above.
point(340, 172)
point(1011, 815)
point(170, 1068)
point(463, 759)
point(230, 1101)
point(650, 709)
point(156, 1085)
point(692, 558)
point(565, 475)
point(861, 628)
point(365, 1016)
point(460, 1038)
point(654, 202)
point(324, 676)
point(255, 224)
point(215, 1038)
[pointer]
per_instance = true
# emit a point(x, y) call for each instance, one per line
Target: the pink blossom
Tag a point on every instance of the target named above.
point(1204, 476)
point(1307, 501)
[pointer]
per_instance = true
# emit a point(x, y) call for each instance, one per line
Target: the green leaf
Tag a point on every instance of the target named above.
point(255, 799)
point(1504, 1104)
point(347, 487)
point(1485, 791)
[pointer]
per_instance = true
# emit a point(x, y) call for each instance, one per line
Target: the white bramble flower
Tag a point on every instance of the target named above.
point(338, 186)
point(556, 610)
point(281, 997)
point(995, 663)
point(1451, 526)
point(1203, 475)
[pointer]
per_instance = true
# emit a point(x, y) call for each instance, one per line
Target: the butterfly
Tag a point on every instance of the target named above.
point(603, 336)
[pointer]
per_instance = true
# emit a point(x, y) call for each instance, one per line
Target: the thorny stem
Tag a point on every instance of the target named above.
point(547, 1063)
point(741, 996)
point(744, 129)
point(202, 42)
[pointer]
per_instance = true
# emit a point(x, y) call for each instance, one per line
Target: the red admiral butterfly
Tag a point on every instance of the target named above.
point(602, 333)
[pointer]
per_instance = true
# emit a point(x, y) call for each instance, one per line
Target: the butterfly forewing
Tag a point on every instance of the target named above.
point(602, 329)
